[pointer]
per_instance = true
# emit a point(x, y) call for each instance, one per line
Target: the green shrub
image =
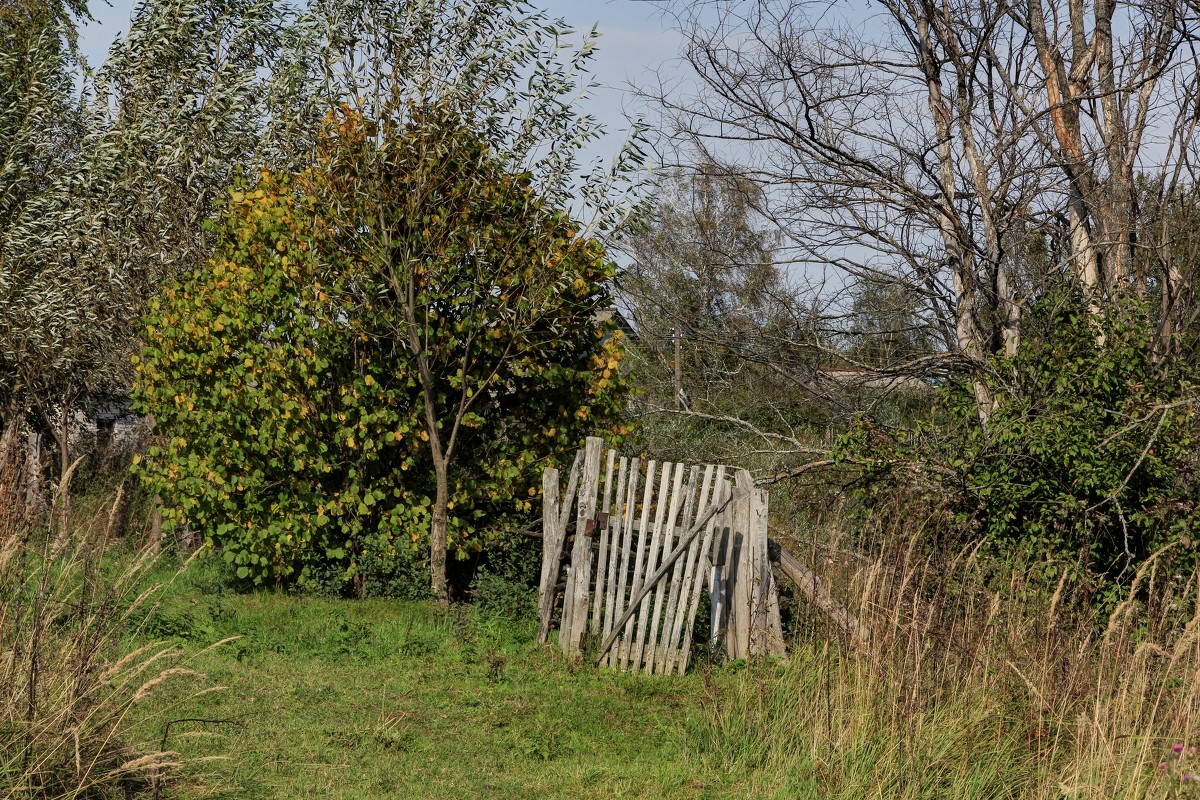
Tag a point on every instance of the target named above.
point(505, 586)
point(1088, 460)
point(290, 402)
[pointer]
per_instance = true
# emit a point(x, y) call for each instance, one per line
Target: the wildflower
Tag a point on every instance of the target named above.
point(1189, 777)
point(1178, 748)
point(1162, 766)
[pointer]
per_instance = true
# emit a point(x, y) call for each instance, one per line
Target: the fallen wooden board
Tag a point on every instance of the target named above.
point(815, 590)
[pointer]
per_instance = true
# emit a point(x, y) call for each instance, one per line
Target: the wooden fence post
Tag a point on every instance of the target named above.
point(576, 614)
point(758, 570)
point(551, 550)
point(737, 629)
point(554, 533)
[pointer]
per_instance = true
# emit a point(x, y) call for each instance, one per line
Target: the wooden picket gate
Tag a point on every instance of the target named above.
point(643, 551)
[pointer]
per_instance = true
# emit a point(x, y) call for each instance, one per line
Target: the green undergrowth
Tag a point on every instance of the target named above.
point(333, 698)
point(379, 699)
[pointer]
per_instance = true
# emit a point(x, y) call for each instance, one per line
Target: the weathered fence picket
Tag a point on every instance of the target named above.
point(627, 647)
point(622, 565)
point(555, 515)
point(575, 604)
point(635, 585)
point(605, 528)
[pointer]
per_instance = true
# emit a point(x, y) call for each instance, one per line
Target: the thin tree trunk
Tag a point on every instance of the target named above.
point(156, 524)
point(64, 473)
point(9, 434)
point(1007, 313)
point(1063, 89)
point(678, 371)
point(437, 532)
point(11, 505)
point(962, 266)
point(33, 471)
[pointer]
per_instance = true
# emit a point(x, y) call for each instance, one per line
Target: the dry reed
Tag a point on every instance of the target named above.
point(977, 683)
point(68, 678)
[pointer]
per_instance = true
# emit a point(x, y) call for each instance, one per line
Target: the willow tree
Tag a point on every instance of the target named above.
point(38, 133)
point(103, 187)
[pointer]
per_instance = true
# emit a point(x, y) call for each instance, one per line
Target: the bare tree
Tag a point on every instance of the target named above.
point(966, 152)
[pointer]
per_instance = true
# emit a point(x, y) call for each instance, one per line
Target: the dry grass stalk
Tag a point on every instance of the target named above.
point(977, 682)
point(67, 686)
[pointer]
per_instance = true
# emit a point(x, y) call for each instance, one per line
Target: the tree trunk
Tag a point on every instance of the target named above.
point(33, 471)
point(437, 532)
point(63, 498)
point(156, 524)
point(1006, 312)
point(958, 254)
point(678, 371)
point(10, 465)
point(10, 432)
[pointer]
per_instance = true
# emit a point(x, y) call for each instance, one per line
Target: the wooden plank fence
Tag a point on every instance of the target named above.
point(648, 539)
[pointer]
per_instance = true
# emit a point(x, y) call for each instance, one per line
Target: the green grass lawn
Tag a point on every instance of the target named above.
point(303, 697)
point(382, 699)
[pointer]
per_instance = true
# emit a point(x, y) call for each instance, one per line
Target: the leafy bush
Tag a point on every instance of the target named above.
point(503, 597)
point(379, 571)
point(1089, 458)
point(292, 403)
point(506, 585)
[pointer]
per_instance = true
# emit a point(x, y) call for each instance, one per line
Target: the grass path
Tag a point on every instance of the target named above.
point(382, 699)
point(378, 699)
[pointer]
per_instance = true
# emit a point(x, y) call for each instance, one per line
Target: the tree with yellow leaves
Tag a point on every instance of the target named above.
point(381, 351)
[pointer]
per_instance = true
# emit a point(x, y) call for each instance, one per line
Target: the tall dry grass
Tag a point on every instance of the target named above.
point(976, 683)
point(69, 675)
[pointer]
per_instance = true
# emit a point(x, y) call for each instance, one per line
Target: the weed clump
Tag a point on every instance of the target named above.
point(69, 678)
point(972, 689)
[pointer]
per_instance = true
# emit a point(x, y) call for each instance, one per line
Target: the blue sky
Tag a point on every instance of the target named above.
point(636, 41)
